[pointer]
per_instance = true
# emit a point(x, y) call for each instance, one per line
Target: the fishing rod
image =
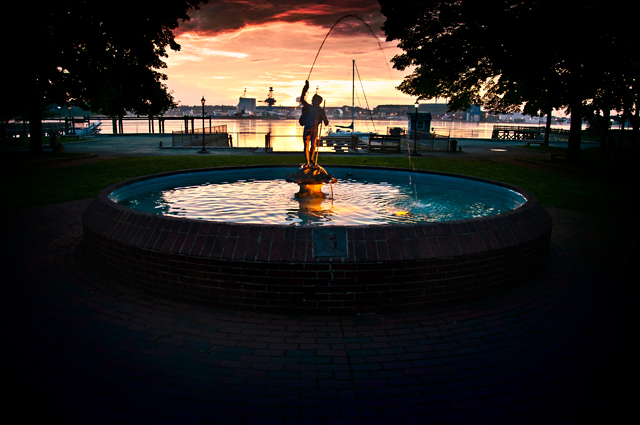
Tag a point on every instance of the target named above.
point(320, 132)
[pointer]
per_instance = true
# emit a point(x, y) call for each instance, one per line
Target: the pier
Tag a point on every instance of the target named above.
point(215, 136)
point(155, 124)
point(118, 123)
point(519, 132)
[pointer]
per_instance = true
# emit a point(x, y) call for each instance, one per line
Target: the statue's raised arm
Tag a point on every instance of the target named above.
point(305, 89)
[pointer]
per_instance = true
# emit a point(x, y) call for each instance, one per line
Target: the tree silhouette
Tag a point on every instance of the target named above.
point(106, 58)
point(517, 55)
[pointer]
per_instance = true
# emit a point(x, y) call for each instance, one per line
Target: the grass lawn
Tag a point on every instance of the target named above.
point(32, 183)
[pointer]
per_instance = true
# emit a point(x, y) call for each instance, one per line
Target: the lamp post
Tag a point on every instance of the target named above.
point(415, 134)
point(59, 119)
point(73, 128)
point(203, 148)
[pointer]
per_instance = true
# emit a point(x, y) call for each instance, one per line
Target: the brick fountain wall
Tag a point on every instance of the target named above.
point(277, 269)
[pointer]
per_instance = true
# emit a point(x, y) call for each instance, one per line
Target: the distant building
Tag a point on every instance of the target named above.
point(437, 110)
point(420, 122)
point(247, 104)
point(475, 113)
point(276, 110)
point(393, 110)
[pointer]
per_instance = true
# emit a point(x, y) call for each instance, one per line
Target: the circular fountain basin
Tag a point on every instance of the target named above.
point(361, 197)
point(325, 256)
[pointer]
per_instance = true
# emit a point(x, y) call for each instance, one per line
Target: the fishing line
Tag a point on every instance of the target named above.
point(365, 99)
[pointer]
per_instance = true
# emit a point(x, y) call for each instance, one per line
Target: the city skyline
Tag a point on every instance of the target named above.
point(229, 46)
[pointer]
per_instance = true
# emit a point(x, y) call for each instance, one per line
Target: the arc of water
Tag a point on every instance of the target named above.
point(336, 23)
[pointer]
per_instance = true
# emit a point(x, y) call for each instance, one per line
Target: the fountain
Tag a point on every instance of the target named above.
point(314, 263)
point(312, 259)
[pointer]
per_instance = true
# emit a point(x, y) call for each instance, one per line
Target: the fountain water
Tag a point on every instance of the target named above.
point(364, 196)
point(331, 29)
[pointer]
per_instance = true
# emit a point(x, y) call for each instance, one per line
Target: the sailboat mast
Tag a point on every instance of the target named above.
point(353, 89)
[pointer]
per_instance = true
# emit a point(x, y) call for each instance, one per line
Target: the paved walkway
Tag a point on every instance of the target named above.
point(147, 145)
point(79, 348)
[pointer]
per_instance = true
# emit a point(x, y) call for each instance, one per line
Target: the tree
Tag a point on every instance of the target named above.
point(512, 55)
point(105, 59)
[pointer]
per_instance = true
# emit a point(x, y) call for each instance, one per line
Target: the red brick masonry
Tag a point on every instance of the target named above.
point(272, 268)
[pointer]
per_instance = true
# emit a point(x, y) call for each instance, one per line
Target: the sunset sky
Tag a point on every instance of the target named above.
point(230, 45)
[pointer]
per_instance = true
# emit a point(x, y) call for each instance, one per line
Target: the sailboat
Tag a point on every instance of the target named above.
point(349, 129)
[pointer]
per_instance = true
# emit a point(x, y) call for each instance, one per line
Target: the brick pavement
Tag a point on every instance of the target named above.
point(80, 348)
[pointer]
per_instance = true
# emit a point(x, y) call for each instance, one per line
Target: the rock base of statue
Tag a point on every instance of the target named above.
point(310, 179)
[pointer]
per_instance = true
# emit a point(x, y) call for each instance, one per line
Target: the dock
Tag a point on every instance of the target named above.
point(519, 132)
point(346, 143)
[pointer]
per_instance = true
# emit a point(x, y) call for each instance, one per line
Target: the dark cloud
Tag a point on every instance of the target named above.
point(230, 15)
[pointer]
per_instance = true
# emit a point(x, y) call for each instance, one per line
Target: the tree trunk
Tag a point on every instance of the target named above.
point(35, 130)
point(604, 131)
point(547, 131)
point(635, 130)
point(622, 133)
point(575, 131)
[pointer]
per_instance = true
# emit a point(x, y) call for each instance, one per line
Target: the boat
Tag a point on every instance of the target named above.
point(346, 131)
point(90, 130)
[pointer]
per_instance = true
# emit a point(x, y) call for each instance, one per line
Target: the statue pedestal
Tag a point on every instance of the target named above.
point(310, 191)
point(310, 179)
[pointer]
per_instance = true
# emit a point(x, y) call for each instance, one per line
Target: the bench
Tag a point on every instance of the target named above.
point(384, 142)
point(341, 144)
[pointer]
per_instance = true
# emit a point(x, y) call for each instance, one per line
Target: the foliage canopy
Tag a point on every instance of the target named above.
point(512, 55)
point(106, 58)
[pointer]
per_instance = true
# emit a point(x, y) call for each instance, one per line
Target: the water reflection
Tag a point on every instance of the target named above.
point(355, 202)
point(311, 211)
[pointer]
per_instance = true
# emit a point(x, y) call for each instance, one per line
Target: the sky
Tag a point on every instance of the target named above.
point(230, 45)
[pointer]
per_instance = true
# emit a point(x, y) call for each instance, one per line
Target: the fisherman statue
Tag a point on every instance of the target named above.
point(312, 116)
point(310, 177)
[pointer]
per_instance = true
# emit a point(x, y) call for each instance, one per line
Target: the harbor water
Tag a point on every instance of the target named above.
point(286, 134)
